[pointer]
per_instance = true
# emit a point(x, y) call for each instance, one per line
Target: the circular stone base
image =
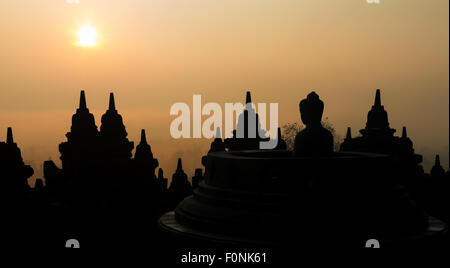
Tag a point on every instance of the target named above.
point(434, 236)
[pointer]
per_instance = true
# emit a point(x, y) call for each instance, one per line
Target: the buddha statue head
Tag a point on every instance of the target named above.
point(311, 110)
point(314, 139)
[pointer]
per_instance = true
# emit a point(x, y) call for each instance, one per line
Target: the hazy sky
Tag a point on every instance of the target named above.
point(153, 53)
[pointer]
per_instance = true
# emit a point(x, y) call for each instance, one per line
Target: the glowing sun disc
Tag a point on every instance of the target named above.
point(87, 36)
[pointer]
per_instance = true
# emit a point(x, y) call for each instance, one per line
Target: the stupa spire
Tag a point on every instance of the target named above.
point(437, 160)
point(404, 134)
point(143, 137)
point(377, 99)
point(437, 170)
point(377, 119)
point(112, 105)
point(349, 133)
point(83, 105)
point(9, 136)
point(179, 166)
point(160, 173)
point(248, 98)
point(218, 133)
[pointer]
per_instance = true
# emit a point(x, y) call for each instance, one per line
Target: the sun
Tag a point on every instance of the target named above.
point(87, 36)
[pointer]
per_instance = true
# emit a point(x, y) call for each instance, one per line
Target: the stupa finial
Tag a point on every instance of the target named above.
point(83, 105)
point(9, 136)
point(404, 134)
point(143, 137)
point(349, 133)
point(437, 160)
point(248, 98)
point(377, 99)
point(112, 105)
point(218, 133)
point(179, 166)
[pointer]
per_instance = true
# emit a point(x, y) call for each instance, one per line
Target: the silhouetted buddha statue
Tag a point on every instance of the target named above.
point(314, 139)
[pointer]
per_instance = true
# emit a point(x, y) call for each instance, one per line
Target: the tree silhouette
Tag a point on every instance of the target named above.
point(290, 130)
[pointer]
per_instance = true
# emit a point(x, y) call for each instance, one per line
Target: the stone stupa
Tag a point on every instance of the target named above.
point(302, 199)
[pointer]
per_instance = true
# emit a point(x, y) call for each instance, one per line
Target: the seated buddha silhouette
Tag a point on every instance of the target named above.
point(314, 139)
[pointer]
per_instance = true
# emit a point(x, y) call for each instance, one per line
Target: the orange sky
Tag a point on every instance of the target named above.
point(154, 53)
